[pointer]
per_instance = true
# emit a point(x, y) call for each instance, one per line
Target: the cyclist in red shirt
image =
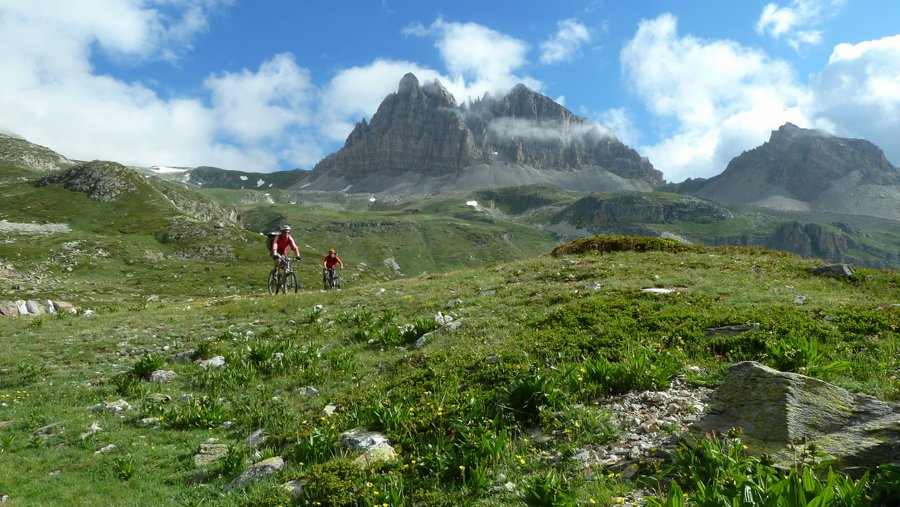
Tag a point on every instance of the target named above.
point(282, 243)
point(331, 260)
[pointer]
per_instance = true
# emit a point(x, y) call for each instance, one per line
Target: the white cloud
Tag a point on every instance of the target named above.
point(858, 92)
point(356, 92)
point(719, 96)
point(52, 95)
point(564, 45)
point(798, 21)
point(262, 105)
point(478, 59)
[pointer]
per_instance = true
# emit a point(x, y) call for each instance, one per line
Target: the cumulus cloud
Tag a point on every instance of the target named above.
point(797, 22)
point(858, 92)
point(356, 92)
point(478, 59)
point(52, 95)
point(718, 96)
point(564, 45)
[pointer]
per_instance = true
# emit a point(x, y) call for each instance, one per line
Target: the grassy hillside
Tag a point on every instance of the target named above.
point(491, 413)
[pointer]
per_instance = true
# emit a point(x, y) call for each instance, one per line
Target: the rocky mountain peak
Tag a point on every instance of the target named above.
point(419, 134)
point(806, 169)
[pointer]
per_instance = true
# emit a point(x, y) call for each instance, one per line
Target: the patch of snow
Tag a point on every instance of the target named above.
point(260, 183)
point(656, 290)
point(473, 204)
point(243, 178)
point(161, 169)
point(346, 188)
point(304, 185)
point(371, 199)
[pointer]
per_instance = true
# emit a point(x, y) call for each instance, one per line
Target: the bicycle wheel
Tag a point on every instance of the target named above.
point(273, 282)
point(290, 283)
point(336, 281)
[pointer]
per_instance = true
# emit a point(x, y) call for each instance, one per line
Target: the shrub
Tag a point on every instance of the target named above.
point(604, 244)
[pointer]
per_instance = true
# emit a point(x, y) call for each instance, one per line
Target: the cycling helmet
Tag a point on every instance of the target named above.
point(285, 228)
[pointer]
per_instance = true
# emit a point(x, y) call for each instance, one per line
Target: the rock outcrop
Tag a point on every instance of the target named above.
point(780, 412)
point(420, 141)
point(31, 156)
point(615, 210)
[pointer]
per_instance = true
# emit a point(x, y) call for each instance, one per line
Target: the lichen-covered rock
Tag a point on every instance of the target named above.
point(777, 410)
point(256, 472)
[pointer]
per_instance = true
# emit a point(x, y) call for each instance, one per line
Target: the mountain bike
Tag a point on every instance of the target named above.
point(283, 277)
point(331, 279)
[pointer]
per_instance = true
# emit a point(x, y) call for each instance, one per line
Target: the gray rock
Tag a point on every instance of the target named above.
point(34, 308)
point(361, 439)
point(49, 307)
point(209, 453)
point(295, 488)
point(217, 362)
point(106, 449)
point(158, 398)
point(183, 357)
point(329, 410)
point(381, 453)
point(162, 376)
point(148, 421)
point(255, 473)
point(833, 270)
point(21, 307)
point(64, 307)
point(255, 439)
point(93, 428)
point(732, 330)
point(114, 407)
point(9, 309)
point(776, 410)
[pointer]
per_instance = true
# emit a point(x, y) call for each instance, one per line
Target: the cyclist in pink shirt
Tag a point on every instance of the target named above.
point(282, 242)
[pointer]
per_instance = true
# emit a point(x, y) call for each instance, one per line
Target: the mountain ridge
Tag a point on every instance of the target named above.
point(419, 141)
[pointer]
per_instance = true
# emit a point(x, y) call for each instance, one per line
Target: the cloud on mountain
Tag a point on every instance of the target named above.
point(858, 93)
point(566, 133)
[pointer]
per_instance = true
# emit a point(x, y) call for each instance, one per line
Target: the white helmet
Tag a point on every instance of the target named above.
point(285, 228)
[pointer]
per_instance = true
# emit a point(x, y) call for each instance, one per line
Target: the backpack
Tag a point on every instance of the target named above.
point(270, 240)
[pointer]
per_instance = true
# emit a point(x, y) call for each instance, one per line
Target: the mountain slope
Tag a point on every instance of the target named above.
point(808, 170)
point(419, 141)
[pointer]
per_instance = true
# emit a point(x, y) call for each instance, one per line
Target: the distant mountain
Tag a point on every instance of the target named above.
point(28, 157)
point(809, 170)
point(420, 141)
point(214, 177)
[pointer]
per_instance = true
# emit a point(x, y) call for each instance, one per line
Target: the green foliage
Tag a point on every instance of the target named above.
point(548, 490)
point(124, 466)
point(146, 365)
point(606, 244)
point(337, 482)
point(801, 355)
point(525, 396)
point(640, 370)
point(716, 471)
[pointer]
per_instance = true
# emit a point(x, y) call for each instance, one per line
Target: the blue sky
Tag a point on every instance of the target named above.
point(278, 84)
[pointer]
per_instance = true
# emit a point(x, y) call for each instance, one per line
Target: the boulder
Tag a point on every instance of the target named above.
point(33, 307)
point(255, 473)
point(778, 410)
point(9, 309)
point(209, 453)
point(833, 270)
point(361, 439)
point(162, 376)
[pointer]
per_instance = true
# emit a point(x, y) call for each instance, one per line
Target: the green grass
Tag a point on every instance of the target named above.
point(458, 423)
